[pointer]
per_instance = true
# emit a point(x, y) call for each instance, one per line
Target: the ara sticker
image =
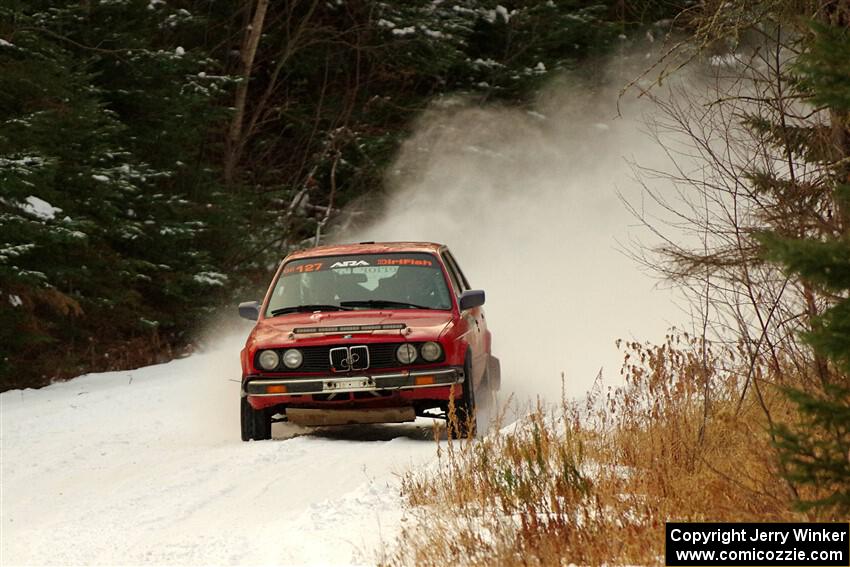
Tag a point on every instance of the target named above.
point(349, 264)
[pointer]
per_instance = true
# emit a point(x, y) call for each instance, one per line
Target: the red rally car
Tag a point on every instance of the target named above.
point(366, 333)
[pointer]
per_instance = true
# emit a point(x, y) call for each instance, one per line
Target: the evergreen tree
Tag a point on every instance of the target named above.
point(816, 451)
point(106, 211)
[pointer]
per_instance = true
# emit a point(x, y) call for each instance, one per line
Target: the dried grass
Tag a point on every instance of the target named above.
point(686, 439)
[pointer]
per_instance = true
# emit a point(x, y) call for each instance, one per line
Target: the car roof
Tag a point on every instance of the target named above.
point(366, 248)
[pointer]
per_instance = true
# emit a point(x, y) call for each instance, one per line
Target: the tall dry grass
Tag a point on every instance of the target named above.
point(686, 438)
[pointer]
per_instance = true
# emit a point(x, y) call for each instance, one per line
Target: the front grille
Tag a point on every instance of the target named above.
point(382, 355)
point(317, 358)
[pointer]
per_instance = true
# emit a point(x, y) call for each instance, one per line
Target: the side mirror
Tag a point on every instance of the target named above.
point(249, 310)
point(471, 298)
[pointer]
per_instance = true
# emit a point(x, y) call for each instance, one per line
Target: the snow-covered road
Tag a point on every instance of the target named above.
point(146, 467)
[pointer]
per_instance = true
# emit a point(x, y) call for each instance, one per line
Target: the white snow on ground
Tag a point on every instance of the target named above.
point(146, 467)
point(40, 208)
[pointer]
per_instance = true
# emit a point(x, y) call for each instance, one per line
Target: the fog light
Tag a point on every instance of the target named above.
point(293, 358)
point(431, 351)
point(269, 360)
point(406, 353)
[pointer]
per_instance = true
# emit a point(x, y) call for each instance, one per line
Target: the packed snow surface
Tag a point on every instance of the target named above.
point(146, 467)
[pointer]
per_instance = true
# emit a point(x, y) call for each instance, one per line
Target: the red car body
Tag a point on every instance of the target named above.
point(350, 369)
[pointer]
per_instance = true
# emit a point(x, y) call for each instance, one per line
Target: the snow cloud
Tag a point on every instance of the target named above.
point(529, 202)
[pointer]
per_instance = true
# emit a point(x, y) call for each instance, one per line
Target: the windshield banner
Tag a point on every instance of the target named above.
point(359, 263)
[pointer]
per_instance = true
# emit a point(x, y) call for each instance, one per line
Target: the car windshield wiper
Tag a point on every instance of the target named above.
point(313, 307)
point(381, 303)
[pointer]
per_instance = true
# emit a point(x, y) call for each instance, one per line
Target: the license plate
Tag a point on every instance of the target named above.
point(347, 384)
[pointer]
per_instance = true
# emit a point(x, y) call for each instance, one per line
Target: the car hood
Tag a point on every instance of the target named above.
point(419, 325)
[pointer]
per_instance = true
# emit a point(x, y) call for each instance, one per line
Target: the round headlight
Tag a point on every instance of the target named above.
point(269, 360)
point(431, 351)
point(293, 358)
point(406, 353)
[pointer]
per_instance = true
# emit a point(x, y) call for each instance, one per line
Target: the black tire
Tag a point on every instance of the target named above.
point(256, 424)
point(464, 425)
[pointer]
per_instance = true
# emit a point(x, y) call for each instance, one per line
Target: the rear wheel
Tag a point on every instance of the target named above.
point(256, 424)
point(463, 424)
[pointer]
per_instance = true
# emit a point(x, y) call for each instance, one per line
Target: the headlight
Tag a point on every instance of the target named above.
point(431, 351)
point(406, 353)
point(269, 360)
point(293, 358)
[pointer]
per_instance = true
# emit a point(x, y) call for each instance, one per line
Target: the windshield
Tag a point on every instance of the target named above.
point(361, 281)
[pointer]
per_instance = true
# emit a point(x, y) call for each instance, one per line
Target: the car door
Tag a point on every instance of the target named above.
point(474, 318)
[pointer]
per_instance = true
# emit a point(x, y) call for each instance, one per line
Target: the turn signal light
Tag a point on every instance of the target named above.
point(424, 380)
point(275, 389)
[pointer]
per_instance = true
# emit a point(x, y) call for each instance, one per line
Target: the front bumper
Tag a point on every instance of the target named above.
point(256, 386)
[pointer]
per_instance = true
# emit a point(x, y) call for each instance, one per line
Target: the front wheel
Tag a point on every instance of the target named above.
point(256, 424)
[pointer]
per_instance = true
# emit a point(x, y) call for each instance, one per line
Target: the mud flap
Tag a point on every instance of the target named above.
point(494, 374)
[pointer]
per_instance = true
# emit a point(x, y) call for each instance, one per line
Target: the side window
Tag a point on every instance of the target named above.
point(452, 275)
point(456, 269)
